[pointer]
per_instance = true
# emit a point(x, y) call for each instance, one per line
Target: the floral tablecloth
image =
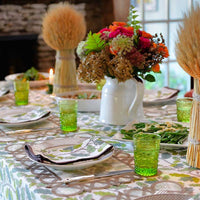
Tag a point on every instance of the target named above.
point(20, 178)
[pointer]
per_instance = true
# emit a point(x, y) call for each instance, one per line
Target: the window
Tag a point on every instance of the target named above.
point(164, 16)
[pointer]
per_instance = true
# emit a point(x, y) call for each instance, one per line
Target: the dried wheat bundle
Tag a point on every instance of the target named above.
point(188, 56)
point(63, 29)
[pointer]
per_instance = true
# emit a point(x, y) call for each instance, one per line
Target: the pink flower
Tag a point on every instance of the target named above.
point(104, 36)
point(121, 31)
point(144, 43)
point(104, 29)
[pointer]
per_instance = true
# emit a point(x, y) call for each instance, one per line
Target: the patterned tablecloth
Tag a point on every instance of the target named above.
point(22, 179)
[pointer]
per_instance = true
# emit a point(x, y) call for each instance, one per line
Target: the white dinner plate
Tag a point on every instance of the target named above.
point(17, 111)
point(37, 83)
point(62, 143)
point(84, 105)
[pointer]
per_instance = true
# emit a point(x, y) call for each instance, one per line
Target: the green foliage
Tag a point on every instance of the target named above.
point(94, 42)
point(150, 78)
point(31, 74)
point(132, 18)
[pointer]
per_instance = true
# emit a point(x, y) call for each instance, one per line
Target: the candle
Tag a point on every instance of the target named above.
point(51, 76)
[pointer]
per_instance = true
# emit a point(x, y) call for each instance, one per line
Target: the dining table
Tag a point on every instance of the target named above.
point(22, 178)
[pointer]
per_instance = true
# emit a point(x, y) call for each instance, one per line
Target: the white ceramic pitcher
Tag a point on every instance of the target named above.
point(121, 102)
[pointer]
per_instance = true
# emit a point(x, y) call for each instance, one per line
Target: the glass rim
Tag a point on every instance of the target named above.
point(21, 81)
point(68, 101)
point(184, 98)
point(157, 137)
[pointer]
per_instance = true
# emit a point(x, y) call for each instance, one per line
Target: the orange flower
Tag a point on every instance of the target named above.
point(156, 68)
point(162, 48)
point(119, 23)
point(113, 28)
point(154, 45)
point(116, 25)
point(146, 35)
point(129, 28)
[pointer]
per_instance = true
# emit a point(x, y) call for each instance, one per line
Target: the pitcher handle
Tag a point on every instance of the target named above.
point(138, 97)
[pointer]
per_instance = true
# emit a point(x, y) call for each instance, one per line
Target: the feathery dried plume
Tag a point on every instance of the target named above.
point(187, 46)
point(188, 57)
point(63, 27)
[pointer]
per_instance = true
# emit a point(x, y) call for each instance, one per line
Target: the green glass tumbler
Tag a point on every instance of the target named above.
point(21, 90)
point(68, 115)
point(146, 151)
point(183, 107)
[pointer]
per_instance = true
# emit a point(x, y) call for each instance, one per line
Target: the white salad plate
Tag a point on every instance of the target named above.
point(36, 83)
point(11, 115)
point(84, 104)
point(50, 147)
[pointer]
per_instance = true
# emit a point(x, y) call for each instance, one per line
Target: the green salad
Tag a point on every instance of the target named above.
point(170, 132)
point(89, 95)
point(31, 74)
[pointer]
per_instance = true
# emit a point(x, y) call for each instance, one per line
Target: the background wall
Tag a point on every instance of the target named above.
point(21, 23)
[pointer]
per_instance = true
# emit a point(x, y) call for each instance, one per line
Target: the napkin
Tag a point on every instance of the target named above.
point(161, 94)
point(19, 117)
point(91, 148)
point(4, 91)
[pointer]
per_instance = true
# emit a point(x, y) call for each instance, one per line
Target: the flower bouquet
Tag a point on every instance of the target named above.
point(123, 54)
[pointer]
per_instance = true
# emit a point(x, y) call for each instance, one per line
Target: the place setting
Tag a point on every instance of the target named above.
point(82, 160)
point(24, 116)
point(22, 113)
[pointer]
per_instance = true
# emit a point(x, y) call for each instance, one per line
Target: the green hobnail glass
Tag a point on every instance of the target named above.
point(21, 91)
point(183, 108)
point(68, 115)
point(146, 151)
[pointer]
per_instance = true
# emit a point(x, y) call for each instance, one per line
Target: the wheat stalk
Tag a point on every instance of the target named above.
point(63, 29)
point(188, 57)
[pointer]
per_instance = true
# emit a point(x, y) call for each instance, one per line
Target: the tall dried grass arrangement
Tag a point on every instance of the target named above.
point(63, 29)
point(188, 57)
